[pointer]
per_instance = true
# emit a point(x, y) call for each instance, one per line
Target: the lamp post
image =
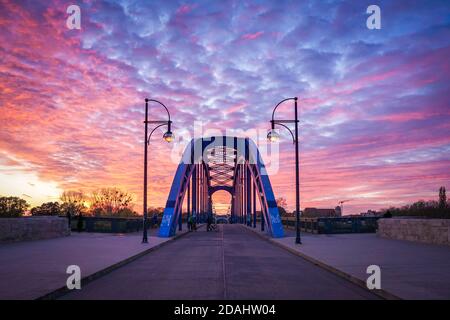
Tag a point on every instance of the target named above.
point(168, 136)
point(273, 136)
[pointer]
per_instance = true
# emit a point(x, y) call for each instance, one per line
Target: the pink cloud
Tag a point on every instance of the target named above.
point(74, 115)
point(185, 9)
point(252, 36)
point(235, 108)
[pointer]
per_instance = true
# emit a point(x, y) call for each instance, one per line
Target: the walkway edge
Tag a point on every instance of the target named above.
point(84, 281)
point(379, 292)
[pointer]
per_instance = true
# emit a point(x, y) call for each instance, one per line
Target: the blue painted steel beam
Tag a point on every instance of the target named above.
point(248, 166)
point(248, 182)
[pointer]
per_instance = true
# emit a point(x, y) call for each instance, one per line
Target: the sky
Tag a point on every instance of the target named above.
point(373, 104)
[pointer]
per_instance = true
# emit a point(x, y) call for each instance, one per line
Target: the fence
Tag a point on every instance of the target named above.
point(325, 225)
point(331, 225)
point(108, 224)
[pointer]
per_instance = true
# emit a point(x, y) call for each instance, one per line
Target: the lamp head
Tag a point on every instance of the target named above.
point(273, 136)
point(168, 136)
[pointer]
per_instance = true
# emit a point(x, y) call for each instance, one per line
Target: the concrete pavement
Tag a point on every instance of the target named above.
point(31, 269)
point(409, 270)
point(232, 263)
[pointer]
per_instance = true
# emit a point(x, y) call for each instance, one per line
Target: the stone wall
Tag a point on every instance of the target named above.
point(434, 231)
point(32, 228)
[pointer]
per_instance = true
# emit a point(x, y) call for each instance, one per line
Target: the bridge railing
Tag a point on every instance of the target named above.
point(119, 224)
point(108, 224)
point(332, 225)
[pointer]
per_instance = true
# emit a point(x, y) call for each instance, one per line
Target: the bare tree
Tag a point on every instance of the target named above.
point(442, 198)
point(73, 205)
point(110, 201)
point(282, 205)
point(73, 197)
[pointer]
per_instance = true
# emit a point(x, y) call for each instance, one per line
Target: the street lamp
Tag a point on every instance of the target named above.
point(168, 136)
point(273, 136)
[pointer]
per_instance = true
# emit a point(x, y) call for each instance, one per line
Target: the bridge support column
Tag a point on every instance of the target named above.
point(194, 191)
point(242, 194)
point(188, 202)
point(263, 220)
point(197, 187)
point(200, 192)
point(203, 192)
point(254, 204)
point(236, 201)
point(180, 220)
point(248, 195)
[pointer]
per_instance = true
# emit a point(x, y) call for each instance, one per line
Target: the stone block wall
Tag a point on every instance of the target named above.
point(434, 231)
point(32, 228)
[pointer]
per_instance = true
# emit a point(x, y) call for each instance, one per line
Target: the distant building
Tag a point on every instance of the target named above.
point(338, 211)
point(316, 213)
point(371, 213)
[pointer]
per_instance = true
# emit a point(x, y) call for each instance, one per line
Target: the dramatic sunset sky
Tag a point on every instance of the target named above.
point(374, 104)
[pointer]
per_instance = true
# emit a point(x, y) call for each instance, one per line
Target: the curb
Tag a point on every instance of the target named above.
point(378, 292)
point(84, 281)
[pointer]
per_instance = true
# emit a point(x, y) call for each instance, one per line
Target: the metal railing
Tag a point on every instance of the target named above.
point(108, 224)
point(332, 225)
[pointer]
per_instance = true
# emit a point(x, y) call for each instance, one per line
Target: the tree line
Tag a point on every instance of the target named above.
point(101, 202)
point(117, 203)
point(439, 209)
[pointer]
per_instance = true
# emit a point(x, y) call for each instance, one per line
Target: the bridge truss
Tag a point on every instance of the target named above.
point(224, 163)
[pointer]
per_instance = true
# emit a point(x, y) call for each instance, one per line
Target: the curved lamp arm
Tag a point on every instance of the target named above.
point(162, 104)
point(273, 112)
point(290, 131)
point(150, 135)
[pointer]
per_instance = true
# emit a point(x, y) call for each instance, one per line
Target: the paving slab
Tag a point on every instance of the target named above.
point(409, 270)
point(232, 263)
point(32, 269)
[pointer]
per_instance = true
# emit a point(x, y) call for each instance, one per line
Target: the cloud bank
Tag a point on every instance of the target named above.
point(375, 116)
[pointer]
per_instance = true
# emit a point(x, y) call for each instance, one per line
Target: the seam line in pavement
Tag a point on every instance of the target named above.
point(98, 274)
point(223, 267)
point(378, 292)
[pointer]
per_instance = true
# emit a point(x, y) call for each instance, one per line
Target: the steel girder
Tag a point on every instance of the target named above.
point(222, 163)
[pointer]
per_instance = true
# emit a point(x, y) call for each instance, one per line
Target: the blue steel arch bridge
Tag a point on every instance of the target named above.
point(231, 164)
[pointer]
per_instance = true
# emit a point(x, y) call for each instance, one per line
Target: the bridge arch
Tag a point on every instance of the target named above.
point(222, 163)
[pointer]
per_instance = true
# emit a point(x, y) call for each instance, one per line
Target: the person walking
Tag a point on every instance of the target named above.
point(154, 221)
point(191, 223)
point(192, 220)
point(209, 222)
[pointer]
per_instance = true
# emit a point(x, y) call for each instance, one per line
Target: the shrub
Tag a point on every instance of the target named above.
point(426, 209)
point(12, 207)
point(47, 209)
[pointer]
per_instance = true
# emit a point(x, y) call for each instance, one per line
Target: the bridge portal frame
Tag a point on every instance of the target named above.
point(250, 182)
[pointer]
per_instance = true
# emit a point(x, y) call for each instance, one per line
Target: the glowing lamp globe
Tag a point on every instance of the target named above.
point(273, 136)
point(168, 136)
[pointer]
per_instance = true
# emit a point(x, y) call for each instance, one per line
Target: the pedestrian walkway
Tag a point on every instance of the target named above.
point(409, 270)
point(31, 269)
point(232, 263)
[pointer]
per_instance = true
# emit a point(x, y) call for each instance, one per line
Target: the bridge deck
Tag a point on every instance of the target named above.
point(232, 263)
